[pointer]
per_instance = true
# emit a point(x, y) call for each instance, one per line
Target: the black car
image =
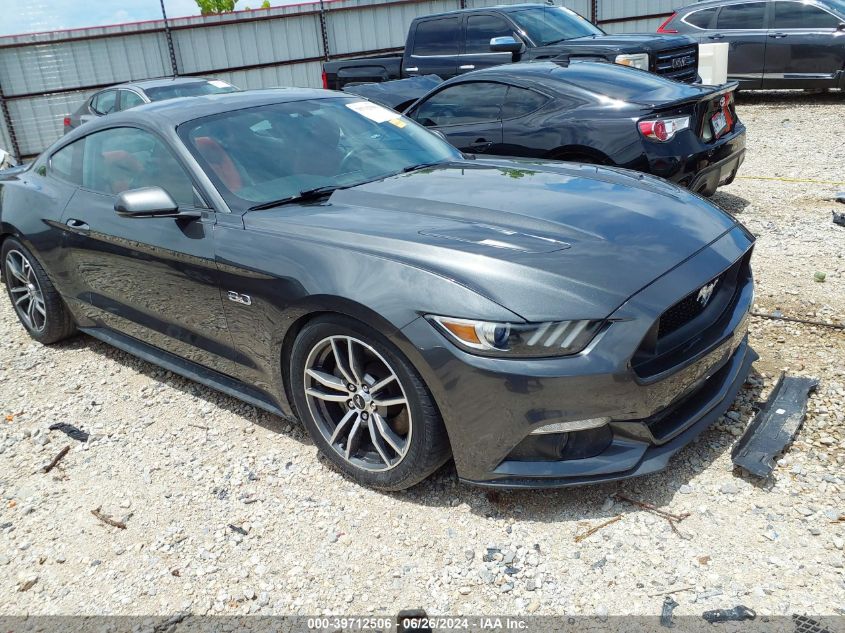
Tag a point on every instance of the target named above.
point(592, 112)
point(773, 43)
point(457, 42)
point(313, 253)
point(135, 93)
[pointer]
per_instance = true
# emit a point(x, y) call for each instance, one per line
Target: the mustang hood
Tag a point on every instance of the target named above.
point(546, 241)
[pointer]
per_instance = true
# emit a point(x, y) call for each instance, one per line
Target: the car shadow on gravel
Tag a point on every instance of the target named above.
point(729, 202)
point(269, 421)
point(588, 502)
point(443, 488)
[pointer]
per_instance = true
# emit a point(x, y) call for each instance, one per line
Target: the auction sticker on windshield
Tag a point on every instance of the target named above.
point(372, 111)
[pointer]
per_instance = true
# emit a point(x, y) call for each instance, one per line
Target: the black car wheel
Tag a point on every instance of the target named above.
point(364, 405)
point(38, 305)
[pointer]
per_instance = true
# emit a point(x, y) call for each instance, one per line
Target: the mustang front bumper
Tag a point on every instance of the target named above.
point(491, 406)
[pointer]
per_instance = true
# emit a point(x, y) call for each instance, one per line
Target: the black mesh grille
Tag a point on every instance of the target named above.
point(686, 309)
point(680, 64)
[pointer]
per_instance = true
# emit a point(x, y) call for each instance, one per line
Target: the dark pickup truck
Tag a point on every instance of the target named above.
point(449, 44)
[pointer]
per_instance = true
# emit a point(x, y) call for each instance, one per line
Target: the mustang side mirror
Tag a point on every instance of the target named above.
point(507, 44)
point(841, 26)
point(149, 202)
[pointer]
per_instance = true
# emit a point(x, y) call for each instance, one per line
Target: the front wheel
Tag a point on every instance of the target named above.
point(37, 303)
point(365, 406)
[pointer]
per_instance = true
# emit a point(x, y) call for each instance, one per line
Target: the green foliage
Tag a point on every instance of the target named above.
point(211, 7)
point(265, 4)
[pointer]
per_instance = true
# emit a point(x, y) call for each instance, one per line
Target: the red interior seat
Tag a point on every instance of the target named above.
point(220, 162)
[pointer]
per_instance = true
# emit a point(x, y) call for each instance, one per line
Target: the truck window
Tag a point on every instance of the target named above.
point(549, 25)
point(742, 17)
point(481, 29)
point(473, 102)
point(437, 37)
point(794, 15)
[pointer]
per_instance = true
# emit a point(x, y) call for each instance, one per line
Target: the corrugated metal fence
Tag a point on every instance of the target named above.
point(47, 75)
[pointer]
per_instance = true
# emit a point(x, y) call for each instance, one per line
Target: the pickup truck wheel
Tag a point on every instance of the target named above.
point(364, 405)
point(37, 304)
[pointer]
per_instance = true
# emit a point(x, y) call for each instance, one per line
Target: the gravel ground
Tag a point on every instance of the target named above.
point(230, 511)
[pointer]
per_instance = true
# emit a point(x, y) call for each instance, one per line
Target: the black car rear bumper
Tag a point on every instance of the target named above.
point(697, 165)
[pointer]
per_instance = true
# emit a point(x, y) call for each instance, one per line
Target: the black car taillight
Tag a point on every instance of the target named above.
point(665, 28)
point(663, 129)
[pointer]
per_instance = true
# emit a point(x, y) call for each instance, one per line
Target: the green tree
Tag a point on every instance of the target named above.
point(265, 4)
point(212, 7)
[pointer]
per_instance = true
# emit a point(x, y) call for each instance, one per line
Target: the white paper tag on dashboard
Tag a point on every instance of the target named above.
point(219, 84)
point(372, 111)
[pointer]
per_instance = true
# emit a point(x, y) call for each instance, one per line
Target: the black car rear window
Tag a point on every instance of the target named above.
point(194, 89)
point(437, 37)
point(618, 82)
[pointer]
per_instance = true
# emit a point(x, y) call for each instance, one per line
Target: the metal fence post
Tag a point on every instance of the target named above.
point(325, 32)
point(594, 11)
point(13, 139)
point(169, 38)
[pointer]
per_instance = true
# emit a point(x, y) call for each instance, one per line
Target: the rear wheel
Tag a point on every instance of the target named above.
point(38, 305)
point(364, 405)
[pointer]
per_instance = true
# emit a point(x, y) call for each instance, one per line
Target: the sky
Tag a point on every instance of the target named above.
point(31, 16)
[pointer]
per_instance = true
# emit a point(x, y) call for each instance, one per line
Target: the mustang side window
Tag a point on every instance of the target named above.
point(120, 159)
point(475, 102)
point(66, 164)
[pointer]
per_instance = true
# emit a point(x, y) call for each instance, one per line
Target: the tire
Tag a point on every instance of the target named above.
point(394, 445)
point(35, 300)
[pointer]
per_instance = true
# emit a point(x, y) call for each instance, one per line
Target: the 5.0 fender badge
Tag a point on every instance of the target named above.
point(237, 297)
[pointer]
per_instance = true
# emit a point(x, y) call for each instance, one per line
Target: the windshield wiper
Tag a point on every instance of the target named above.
point(307, 194)
point(418, 166)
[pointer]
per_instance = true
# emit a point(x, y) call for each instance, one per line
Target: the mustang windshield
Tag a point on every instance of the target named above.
point(268, 153)
point(549, 25)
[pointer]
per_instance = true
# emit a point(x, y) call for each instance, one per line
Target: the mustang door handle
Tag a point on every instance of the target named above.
point(481, 145)
point(466, 67)
point(778, 36)
point(718, 36)
point(79, 225)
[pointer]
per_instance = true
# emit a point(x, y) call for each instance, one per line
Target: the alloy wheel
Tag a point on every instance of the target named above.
point(25, 291)
point(358, 403)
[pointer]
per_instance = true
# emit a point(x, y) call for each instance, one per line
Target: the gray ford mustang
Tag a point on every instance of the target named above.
point(545, 324)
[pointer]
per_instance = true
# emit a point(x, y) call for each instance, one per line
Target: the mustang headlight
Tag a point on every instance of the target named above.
point(638, 60)
point(527, 340)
